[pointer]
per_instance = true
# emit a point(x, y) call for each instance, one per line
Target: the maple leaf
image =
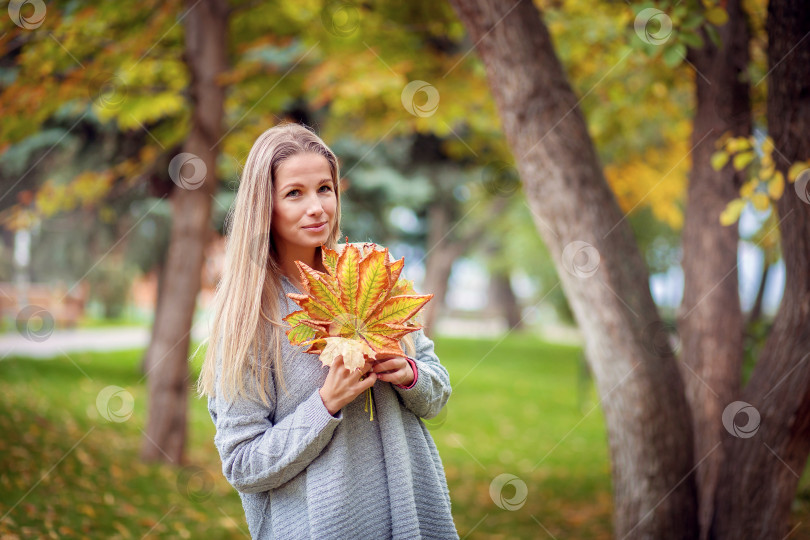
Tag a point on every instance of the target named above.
point(353, 351)
point(359, 306)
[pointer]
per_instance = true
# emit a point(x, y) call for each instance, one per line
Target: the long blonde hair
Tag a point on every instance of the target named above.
point(246, 322)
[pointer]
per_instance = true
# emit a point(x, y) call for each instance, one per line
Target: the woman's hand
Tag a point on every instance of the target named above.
point(342, 385)
point(393, 369)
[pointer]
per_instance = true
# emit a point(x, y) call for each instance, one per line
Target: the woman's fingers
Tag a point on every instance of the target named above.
point(396, 370)
point(338, 365)
point(369, 381)
point(342, 384)
point(352, 375)
point(390, 365)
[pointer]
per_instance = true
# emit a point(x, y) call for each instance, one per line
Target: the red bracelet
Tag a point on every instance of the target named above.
point(415, 374)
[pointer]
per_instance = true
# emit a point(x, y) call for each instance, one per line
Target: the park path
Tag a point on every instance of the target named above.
point(85, 339)
point(124, 338)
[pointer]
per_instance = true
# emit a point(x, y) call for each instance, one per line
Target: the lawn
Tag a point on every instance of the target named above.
point(520, 407)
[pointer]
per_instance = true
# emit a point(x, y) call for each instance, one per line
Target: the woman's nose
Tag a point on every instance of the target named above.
point(314, 206)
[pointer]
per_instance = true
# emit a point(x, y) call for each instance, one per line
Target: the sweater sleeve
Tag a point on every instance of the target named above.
point(412, 362)
point(431, 390)
point(258, 455)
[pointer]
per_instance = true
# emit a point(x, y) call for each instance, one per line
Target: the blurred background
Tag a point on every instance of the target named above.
point(109, 109)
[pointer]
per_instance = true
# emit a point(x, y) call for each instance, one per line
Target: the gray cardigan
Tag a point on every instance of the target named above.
point(303, 473)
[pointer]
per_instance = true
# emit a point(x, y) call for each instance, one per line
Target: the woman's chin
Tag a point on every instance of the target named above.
point(315, 240)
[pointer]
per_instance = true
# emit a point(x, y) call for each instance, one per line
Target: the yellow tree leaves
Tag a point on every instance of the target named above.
point(358, 307)
point(766, 184)
point(657, 181)
point(86, 189)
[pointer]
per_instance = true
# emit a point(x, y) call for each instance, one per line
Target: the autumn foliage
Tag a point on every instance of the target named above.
point(358, 307)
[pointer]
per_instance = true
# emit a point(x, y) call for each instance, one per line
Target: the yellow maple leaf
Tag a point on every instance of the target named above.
point(360, 299)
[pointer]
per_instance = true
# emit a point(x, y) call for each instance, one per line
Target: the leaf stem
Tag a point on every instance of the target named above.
point(369, 405)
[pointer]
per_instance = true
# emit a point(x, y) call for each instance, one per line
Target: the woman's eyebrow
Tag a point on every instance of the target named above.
point(299, 185)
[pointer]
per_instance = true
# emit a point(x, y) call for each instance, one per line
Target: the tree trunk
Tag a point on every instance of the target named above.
point(161, 288)
point(502, 297)
point(443, 253)
point(443, 250)
point(7, 237)
point(205, 38)
point(756, 309)
point(601, 270)
point(758, 479)
point(711, 322)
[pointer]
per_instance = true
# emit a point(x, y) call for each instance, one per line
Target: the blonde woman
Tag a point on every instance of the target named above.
point(294, 436)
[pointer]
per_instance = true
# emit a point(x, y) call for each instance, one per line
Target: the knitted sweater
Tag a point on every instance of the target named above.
point(303, 473)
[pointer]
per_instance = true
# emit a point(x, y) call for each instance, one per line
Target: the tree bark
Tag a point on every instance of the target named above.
point(600, 267)
point(502, 297)
point(711, 321)
point(756, 309)
point(444, 248)
point(205, 38)
point(754, 500)
point(439, 263)
point(161, 289)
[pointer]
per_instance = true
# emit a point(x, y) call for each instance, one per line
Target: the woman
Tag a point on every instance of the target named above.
point(295, 436)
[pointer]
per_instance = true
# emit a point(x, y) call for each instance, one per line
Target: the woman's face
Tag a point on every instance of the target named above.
point(304, 203)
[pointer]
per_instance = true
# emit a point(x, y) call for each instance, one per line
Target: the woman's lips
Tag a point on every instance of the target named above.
point(316, 228)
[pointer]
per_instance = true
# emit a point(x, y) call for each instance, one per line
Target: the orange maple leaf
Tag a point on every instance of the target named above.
point(360, 297)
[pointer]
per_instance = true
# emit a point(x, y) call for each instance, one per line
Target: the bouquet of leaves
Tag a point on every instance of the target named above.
point(358, 308)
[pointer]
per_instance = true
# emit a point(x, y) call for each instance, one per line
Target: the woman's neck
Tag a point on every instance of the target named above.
point(310, 257)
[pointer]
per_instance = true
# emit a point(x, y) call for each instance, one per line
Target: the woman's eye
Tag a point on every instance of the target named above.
point(296, 192)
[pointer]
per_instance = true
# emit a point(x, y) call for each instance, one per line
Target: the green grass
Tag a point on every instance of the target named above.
point(521, 407)
point(518, 406)
point(98, 488)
